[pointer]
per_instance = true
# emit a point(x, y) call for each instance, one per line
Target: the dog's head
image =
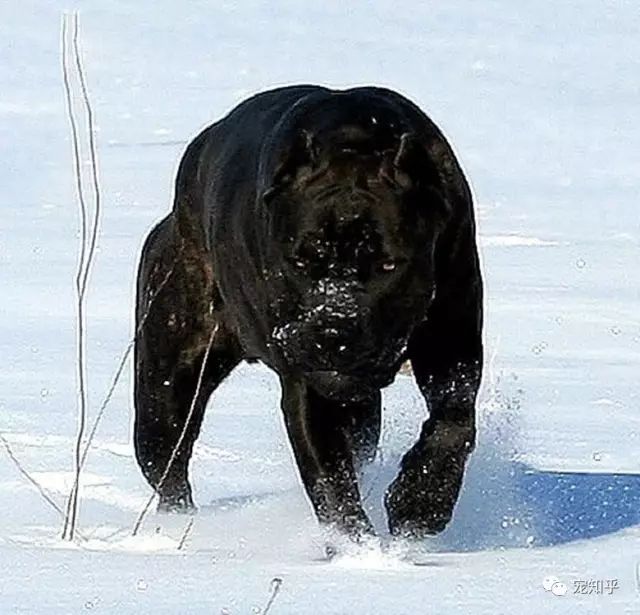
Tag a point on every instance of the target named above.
point(354, 216)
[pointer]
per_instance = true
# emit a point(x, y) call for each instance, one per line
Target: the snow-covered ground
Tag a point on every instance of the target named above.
point(541, 101)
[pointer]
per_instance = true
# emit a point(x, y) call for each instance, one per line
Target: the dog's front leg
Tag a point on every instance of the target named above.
point(322, 450)
point(446, 357)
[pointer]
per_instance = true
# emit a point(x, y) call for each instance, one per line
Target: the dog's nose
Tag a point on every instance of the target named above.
point(334, 341)
point(340, 346)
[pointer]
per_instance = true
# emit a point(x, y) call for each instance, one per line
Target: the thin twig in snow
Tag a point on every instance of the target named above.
point(45, 496)
point(185, 534)
point(77, 170)
point(41, 490)
point(92, 153)
point(276, 583)
point(83, 240)
point(86, 254)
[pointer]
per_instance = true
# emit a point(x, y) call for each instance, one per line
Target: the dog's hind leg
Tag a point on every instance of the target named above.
point(179, 324)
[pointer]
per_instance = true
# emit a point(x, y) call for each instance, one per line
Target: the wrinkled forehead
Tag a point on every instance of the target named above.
point(339, 214)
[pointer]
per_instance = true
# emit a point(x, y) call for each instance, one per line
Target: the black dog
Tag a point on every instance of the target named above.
point(330, 235)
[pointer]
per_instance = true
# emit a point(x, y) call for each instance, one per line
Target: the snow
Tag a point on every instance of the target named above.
point(540, 101)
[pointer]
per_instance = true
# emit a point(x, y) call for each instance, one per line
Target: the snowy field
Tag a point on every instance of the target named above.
point(541, 100)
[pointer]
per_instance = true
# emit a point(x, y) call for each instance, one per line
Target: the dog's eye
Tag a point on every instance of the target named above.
point(391, 265)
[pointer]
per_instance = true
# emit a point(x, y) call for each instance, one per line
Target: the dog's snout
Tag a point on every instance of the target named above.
point(333, 303)
point(332, 329)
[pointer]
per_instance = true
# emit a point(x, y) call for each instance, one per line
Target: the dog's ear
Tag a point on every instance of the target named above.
point(296, 162)
point(409, 167)
point(416, 169)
